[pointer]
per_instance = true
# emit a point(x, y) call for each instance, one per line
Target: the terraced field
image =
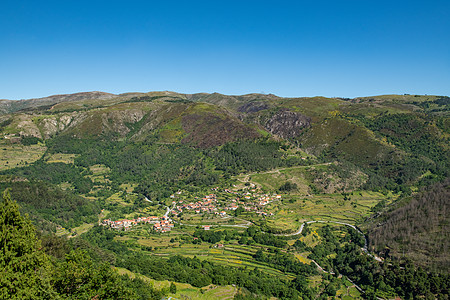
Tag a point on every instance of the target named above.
point(18, 155)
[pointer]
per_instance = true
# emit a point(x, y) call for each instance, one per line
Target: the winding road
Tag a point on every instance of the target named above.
point(299, 231)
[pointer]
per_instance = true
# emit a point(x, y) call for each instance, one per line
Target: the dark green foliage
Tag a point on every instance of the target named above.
point(159, 169)
point(92, 148)
point(387, 278)
point(79, 277)
point(265, 238)
point(27, 272)
point(55, 173)
point(214, 237)
point(24, 270)
point(45, 203)
point(5, 123)
point(285, 262)
point(162, 169)
point(141, 289)
point(202, 273)
point(440, 104)
point(300, 246)
point(55, 246)
point(192, 270)
point(415, 135)
point(30, 140)
point(288, 186)
point(173, 288)
point(103, 238)
point(251, 156)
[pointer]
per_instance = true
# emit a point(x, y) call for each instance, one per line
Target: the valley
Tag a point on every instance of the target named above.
point(209, 196)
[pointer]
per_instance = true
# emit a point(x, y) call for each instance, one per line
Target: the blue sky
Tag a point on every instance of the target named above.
point(288, 48)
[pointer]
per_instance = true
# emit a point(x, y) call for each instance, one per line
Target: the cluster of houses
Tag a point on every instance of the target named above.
point(163, 225)
point(126, 224)
point(206, 205)
point(259, 202)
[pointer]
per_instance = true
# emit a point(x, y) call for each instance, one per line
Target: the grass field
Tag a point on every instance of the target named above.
point(116, 198)
point(82, 228)
point(296, 209)
point(128, 187)
point(61, 158)
point(99, 173)
point(18, 155)
point(273, 179)
point(232, 254)
point(187, 291)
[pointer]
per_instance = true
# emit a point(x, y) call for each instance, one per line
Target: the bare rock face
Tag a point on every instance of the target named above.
point(53, 125)
point(116, 121)
point(28, 128)
point(287, 124)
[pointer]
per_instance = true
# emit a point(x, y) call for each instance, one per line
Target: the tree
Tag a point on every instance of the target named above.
point(79, 277)
point(288, 186)
point(173, 288)
point(24, 269)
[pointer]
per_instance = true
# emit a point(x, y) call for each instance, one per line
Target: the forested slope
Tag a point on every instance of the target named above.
point(381, 163)
point(418, 230)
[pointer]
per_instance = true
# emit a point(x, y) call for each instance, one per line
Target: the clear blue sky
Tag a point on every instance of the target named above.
point(288, 48)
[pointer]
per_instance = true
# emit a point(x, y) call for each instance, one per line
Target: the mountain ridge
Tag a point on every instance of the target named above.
point(159, 142)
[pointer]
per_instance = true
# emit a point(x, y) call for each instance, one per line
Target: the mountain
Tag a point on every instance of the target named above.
point(250, 168)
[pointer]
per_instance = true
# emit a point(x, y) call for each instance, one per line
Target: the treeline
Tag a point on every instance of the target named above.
point(200, 273)
point(418, 229)
point(285, 262)
point(253, 234)
point(214, 237)
point(49, 206)
point(250, 236)
point(29, 272)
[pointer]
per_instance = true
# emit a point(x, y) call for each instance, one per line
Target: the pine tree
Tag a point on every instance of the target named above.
point(24, 269)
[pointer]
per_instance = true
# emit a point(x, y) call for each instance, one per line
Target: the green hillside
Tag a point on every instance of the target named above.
point(253, 169)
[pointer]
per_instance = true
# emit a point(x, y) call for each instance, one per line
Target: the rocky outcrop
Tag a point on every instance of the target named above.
point(52, 125)
point(287, 124)
point(27, 127)
point(116, 121)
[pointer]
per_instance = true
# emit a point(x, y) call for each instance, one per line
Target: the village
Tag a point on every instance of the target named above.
point(209, 204)
point(249, 201)
point(163, 225)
